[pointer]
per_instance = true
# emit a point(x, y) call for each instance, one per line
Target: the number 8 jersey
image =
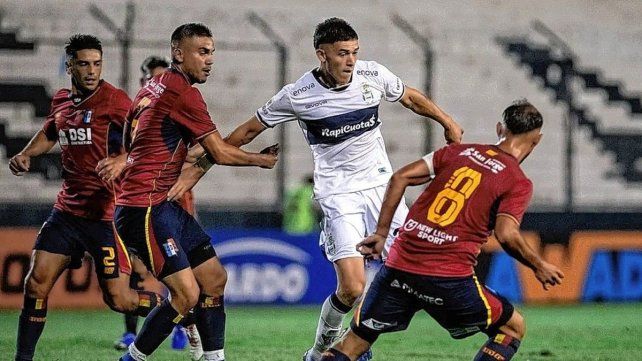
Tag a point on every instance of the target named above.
point(450, 221)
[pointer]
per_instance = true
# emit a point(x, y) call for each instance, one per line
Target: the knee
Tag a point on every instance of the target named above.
point(516, 326)
point(215, 285)
point(185, 300)
point(120, 301)
point(36, 287)
point(350, 292)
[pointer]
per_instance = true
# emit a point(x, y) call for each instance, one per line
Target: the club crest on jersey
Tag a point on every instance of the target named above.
point(367, 95)
point(170, 248)
point(87, 118)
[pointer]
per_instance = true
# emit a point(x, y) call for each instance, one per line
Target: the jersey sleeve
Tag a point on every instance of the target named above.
point(392, 85)
point(190, 111)
point(515, 201)
point(436, 160)
point(278, 109)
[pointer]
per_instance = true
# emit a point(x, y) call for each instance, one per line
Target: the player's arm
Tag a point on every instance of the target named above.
point(220, 152)
point(39, 144)
point(110, 168)
point(511, 240)
point(413, 174)
point(416, 101)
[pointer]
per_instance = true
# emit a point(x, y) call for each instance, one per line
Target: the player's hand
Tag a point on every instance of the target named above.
point(372, 246)
point(272, 153)
point(190, 175)
point(110, 168)
point(549, 275)
point(19, 164)
point(453, 132)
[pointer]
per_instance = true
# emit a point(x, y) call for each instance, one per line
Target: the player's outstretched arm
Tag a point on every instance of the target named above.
point(511, 240)
point(39, 144)
point(245, 132)
point(416, 101)
point(413, 174)
point(241, 136)
point(219, 152)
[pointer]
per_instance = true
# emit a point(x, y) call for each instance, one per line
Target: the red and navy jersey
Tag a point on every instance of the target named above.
point(87, 130)
point(456, 213)
point(167, 115)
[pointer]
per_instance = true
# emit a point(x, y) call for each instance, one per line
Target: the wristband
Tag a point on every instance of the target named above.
point(205, 162)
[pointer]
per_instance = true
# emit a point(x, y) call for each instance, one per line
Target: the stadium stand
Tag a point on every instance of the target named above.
point(474, 79)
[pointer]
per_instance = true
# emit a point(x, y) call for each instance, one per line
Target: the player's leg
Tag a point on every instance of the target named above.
point(341, 234)
point(209, 313)
point(161, 321)
point(131, 321)
point(45, 269)
point(505, 339)
point(348, 349)
point(154, 233)
point(52, 253)
point(385, 308)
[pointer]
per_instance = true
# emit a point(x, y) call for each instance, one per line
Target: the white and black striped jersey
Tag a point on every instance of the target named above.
point(341, 126)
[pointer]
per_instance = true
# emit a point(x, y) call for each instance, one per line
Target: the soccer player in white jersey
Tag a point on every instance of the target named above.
point(336, 106)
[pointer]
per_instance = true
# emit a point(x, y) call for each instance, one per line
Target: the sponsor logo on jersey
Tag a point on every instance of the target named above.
point(264, 270)
point(303, 89)
point(368, 72)
point(74, 136)
point(156, 89)
point(170, 247)
point(427, 233)
point(489, 163)
point(316, 104)
point(348, 128)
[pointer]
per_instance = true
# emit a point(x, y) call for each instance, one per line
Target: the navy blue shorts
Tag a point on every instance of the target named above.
point(165, 237)
point(462, 306)
point(66, 234)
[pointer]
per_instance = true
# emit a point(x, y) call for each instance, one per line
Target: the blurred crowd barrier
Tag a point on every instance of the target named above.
point(273, 267)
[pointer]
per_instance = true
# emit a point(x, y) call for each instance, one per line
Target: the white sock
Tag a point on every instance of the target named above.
point(330, 325)
point(217, 355)
point(135, 353)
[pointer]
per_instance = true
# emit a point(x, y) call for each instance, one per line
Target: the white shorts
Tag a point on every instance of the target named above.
point(349, 217)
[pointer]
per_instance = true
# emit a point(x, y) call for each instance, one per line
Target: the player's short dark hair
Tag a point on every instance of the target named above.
point(153, 62)
point(332, 30)
point(190, 30)
point(522, 117)
point(80, 42)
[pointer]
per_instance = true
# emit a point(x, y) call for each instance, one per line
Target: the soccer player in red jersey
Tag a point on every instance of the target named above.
point(87, 121)
point(475, 190)
point(152, 66)
point(167, 115)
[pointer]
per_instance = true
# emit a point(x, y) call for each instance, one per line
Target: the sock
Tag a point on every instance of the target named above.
point(334, 355)
point(330, 323)
point(133, 354)
point(499, 348)
point(131, 323)
point(30, 325)
point(157, 326)
point(209, 314)
point(188, 319)
point(147, 301)
point(217, 355)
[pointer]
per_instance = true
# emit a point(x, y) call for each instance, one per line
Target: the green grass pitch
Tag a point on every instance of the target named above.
point(589, 332)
